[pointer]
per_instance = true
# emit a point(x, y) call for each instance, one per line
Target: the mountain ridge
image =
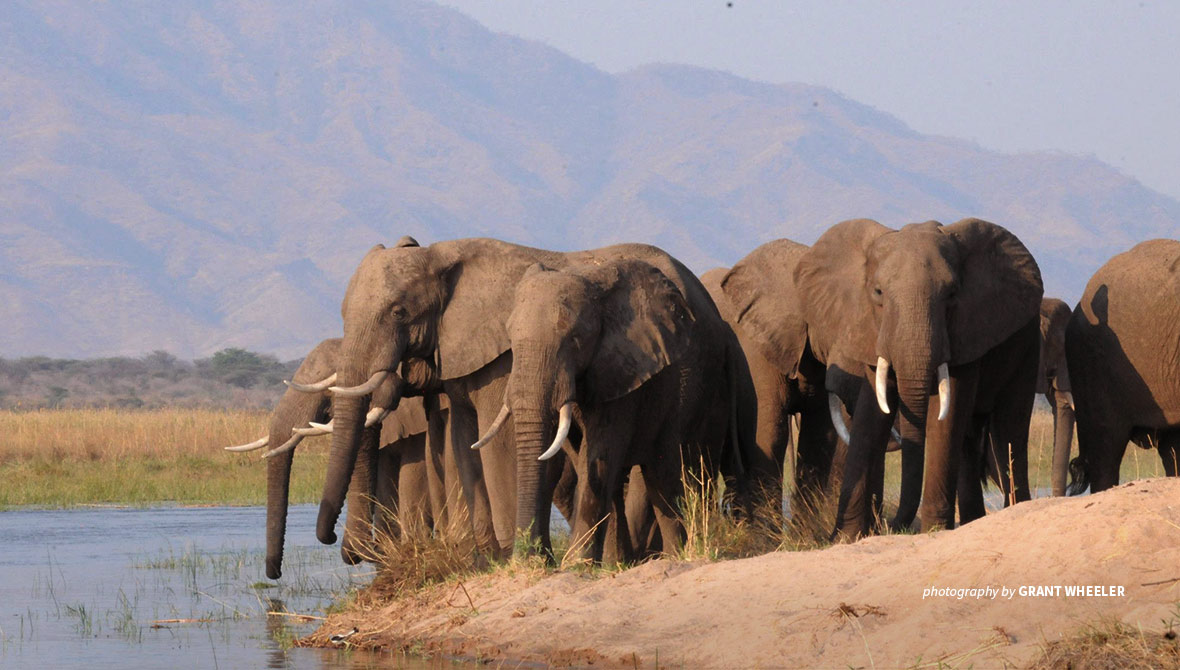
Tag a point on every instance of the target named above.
point(192, 178)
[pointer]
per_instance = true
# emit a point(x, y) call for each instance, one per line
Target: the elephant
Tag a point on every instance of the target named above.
point(758, 301)
point(447, 304)
point(1053, 382)
point(618, 349)
point(407, 479)
point(894, 315)
point(1121, 347)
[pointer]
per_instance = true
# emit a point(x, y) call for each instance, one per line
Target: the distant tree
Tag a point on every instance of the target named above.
point(56, 395)
point(242, 368)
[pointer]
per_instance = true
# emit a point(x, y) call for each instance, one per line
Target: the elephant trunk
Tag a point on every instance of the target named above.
point(348, 416)
point(278, 488)
point(1063, 424)
point(916, 359)
point(358, 527)
point(913, 397)
point(530, 442)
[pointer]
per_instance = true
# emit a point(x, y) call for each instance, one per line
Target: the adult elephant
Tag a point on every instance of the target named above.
point(1053, 382)
point(1123, 349)
point(894, 315)
point(401, 474)
point(758, 299)
point(616, 348)
point(447, 304)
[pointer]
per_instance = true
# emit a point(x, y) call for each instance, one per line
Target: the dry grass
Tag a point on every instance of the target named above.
point(410, 557)
point(1112, 645)
point(83, 456)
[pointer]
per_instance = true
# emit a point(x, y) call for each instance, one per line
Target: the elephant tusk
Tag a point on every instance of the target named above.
point(364, 389)
point(256, 444)
point(314, 429)
point(882, 378)
point(564, 421)
point(1069, 399)
point(317, 387)
point(494, 428)
point(838, 418)
point(284, 447)
point(944, 391)
point(376, 415)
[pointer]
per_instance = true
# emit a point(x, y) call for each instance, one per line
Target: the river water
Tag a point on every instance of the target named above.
point(167, 588)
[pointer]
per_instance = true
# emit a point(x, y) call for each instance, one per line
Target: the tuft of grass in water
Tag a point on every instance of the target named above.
point(60, 458)
point(1110, 644)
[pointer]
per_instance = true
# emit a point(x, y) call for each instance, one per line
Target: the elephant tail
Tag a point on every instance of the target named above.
point(1079, 477)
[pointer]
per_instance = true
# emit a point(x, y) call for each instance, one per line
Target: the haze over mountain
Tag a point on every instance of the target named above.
point(188, 177)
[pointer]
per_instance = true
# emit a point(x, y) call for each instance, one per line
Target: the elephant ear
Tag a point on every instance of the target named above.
point(646, 325)
point(831, 276)
point(1000, 288)
point(479, 278)
point(408, 420)
point(406, 241)
point(765, 304)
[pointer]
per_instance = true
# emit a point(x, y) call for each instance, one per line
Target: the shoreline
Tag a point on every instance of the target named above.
point(855, 603)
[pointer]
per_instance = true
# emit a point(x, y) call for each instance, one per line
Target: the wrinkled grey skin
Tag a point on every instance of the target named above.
point(786, 379)
point(1122, 345)
point(447, 304)
point(649, 378)
point(1053, 381)
point(400, 477)
point(927, 294)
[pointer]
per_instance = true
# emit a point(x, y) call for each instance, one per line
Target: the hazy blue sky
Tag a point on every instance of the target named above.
point(1084, 77)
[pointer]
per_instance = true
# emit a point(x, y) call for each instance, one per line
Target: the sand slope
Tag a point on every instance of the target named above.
point(858, 605)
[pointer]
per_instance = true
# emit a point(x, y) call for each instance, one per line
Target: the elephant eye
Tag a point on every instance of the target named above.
point(399, 312)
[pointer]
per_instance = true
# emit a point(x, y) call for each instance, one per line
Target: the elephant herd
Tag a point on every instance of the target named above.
point(479, 383)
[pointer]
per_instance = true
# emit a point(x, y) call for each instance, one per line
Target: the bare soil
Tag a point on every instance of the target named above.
point(854, 605)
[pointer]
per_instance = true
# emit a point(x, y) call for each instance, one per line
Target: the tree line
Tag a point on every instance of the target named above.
point(231, 379)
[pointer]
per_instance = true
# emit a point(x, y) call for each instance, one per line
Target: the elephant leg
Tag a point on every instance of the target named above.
point(555, 468)
point(1169, 449)
point(876, 488)
point(640, 516)
point(588, 508)
point(944, 446)
point(1063, 427)
point(815, 452)
point(498, 465)
point(664, 489)
point(464, 433)
point(613, 540)
point(970, 485)
point(388, 513)
point(869, 433)
point(435, 460)
point(1011, 415)
point(565, 489)
point(413, 490)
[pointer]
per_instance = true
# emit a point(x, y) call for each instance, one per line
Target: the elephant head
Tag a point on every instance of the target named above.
point(439, 306)
point(583, 336)
point(912, 302)
point(295, 410)
point(304, 410)
point(1053, 381)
